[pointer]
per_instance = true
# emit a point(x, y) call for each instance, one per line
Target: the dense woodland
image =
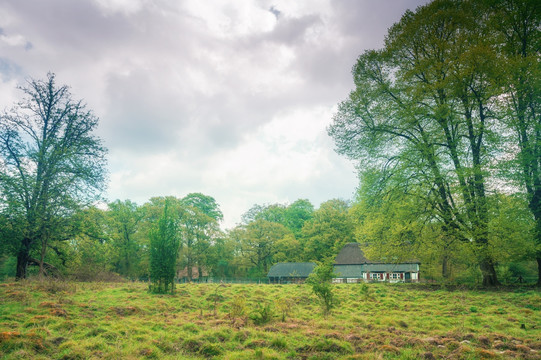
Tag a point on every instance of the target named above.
point(444, 124)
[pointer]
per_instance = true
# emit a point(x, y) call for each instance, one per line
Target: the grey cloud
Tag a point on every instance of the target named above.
point(292, 31)
point(8, 69)
point(165, 84)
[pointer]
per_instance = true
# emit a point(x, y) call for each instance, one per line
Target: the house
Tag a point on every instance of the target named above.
point(287, 273)
point(352, 266)
point(182, 274)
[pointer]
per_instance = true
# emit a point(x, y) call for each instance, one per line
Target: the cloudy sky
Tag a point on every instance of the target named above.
point(230, 98)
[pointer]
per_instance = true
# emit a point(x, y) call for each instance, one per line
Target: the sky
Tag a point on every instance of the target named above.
point(229, 98)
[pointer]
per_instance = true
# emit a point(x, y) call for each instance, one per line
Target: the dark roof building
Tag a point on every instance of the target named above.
point(351, 265)
point(290, 272)
point(351, 254)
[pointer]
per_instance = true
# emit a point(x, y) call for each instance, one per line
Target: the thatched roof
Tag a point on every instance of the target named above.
point(351, 254)
point(296, 270)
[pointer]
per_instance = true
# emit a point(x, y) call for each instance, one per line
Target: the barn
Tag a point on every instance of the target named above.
point(352, 266)
point(287, 273)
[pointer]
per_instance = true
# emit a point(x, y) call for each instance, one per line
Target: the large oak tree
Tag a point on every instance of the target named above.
point(51, 164)
point(424, 108)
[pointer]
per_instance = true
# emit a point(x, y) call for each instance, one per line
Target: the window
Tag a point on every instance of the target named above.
point(374, 276)
point(395, 276)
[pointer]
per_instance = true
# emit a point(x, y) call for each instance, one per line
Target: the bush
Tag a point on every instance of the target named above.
point(237, 307)
point(320, 281)
point(262, 314)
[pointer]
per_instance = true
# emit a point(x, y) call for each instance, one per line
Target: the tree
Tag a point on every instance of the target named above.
point(518, 24)
point(200, 221)
point(164, 244)
point(260, 241)
point(394, 224)
point(272, 213)
point(124, 218)
point(424, 108)
point(330, 228)
point(91, 252)
point(50, 164)
point(320, 281)
point(297, 214)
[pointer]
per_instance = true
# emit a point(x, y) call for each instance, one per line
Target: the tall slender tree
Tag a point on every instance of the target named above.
point(164, 243)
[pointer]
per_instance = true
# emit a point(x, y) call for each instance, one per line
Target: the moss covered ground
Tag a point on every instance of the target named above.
point(67, 320)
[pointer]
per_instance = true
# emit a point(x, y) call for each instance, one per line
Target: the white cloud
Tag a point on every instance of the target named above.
point(230, 98)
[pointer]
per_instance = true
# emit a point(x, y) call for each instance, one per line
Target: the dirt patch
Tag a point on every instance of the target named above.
point(58, 312)
point(124, 310)
point(486, 354)
point(254, 344)
point(7, 335)
point(389, 349)
point(49, 305)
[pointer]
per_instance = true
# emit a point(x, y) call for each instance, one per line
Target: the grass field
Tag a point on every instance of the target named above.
point(66, 320)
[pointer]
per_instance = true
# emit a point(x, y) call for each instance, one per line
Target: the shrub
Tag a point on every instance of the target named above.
point(262, 314)
point(237, 307)
point(284, 306)
point(320, 281)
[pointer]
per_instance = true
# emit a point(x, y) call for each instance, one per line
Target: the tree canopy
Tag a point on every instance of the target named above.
point(51, 164)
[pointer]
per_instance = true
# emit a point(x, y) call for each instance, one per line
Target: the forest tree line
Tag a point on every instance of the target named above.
point(114, 243)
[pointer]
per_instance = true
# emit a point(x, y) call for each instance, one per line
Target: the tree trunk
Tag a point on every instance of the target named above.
point(189, 268)
point(489, 273)
point(445, 268)
point(535, 207)
point(23, 257)
point(42, 257)
point(539, 271)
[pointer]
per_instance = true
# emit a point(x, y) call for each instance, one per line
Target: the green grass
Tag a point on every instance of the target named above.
point(65, 320)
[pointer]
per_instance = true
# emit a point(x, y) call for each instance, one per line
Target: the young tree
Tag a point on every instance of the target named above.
point(164, 243)
point(320, 281)
point(50, 164)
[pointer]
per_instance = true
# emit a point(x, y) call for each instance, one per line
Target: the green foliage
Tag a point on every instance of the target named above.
point(164, 243)
point(285, 307)
point(52, 165)
point(7, 266)
point(329, 229)
point(262, 314)
point(199, 227)
point(320, 282)
point(259, 242)
point(123, 222)
point(237, 307)
point(365, 291)
point(433, 113)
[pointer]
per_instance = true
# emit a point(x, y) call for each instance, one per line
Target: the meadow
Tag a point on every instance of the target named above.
point(68, 320)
